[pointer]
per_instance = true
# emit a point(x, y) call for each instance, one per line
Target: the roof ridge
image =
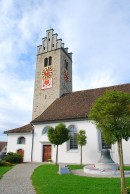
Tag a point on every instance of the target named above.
point(100, 88)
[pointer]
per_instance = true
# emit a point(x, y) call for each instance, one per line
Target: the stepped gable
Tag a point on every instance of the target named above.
point(24, 129)
point(75, 105)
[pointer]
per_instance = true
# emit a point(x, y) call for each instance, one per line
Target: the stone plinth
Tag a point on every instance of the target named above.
point(106, 166)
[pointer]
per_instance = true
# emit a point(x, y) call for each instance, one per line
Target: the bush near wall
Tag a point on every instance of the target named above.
point(4, 163)
point(13, 158)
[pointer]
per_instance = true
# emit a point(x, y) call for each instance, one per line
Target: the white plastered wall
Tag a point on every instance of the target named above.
point(12, 145)
point(90, 152)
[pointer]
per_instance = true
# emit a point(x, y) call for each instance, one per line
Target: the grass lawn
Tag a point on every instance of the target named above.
point(4, 169)
point(46, 181)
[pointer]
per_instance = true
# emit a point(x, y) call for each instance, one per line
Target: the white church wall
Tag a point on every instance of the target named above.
point(90, 151)
point(40, 140)
point(126, 152)
point(13, 146)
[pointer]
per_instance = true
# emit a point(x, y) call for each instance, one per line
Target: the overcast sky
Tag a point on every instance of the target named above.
point(97, 32)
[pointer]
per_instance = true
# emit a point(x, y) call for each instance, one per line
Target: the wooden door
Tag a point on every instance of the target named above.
point(21, 152)
point(46, 153)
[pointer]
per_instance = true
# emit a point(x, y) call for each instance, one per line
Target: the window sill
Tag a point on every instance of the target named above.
point(73, 151)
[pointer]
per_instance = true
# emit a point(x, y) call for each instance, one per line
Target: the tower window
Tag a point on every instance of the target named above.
point(44, 47)
point(45, 62)
point(66, 65)
point(53, 45)
point(50, 60)
point(49, 39)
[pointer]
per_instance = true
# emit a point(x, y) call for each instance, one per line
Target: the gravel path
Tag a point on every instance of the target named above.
point(17, 180)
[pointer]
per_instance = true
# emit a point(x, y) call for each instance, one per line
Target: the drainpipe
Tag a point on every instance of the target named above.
point(32, 142)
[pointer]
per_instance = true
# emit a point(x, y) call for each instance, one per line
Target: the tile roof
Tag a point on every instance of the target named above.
point(24, 129)
point(2, 145)
point(75, 105)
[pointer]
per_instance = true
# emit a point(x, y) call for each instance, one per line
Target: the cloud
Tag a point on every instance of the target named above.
point(97, 32)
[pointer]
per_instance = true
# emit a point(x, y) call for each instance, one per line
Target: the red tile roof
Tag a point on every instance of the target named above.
point(75, 105)
point(24, 129)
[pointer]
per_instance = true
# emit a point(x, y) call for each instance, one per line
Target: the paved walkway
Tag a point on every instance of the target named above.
point(17, 180)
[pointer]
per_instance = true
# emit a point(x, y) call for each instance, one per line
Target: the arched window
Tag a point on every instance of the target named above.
point(73, 137)
point(50, 60)
point(45, 62)
point(21, 140)
point(45, 130)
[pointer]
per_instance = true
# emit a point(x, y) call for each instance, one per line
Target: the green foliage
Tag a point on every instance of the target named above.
point(81, 138)
point(75, 167)
point(111, 112)
point(128, 189)
point(58, 135)
point(46, 180)
point(4, 163)
point(13, 158)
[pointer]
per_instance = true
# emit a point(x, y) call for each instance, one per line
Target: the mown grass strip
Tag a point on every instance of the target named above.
point(46, 180)
point(4, 169)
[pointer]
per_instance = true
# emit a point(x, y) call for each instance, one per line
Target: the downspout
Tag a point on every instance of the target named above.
point(32, 142)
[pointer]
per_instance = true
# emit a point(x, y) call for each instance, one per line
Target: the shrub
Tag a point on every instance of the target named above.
point(2, 162)
point(128, 190)
point(13, 158)
point(7, 164)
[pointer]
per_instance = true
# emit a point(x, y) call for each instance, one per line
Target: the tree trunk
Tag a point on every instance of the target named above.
point(120, 153)
point(57, 155)
point(81, 156)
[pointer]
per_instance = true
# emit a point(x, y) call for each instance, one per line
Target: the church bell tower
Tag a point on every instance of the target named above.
point(53, 73)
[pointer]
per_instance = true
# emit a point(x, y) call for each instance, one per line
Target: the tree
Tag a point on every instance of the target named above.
point(81, 140)
point(111, 112)
point(58, 136)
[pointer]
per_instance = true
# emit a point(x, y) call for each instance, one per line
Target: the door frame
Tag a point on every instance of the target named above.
point(46, 144)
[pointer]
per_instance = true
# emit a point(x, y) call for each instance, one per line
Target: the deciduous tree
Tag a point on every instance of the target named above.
point(111, 112)
point(57, 136)
point(81, 140)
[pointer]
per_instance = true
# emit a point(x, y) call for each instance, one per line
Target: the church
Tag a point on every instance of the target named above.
point(54, 102)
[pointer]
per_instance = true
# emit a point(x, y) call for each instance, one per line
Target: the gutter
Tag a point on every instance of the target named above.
point(32, 143)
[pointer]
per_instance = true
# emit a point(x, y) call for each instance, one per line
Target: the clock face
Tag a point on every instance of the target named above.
point(47, 72)
point(47, 77)
point(66, 75)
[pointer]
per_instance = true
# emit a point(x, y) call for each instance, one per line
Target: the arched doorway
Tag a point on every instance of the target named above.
point(21, 152)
